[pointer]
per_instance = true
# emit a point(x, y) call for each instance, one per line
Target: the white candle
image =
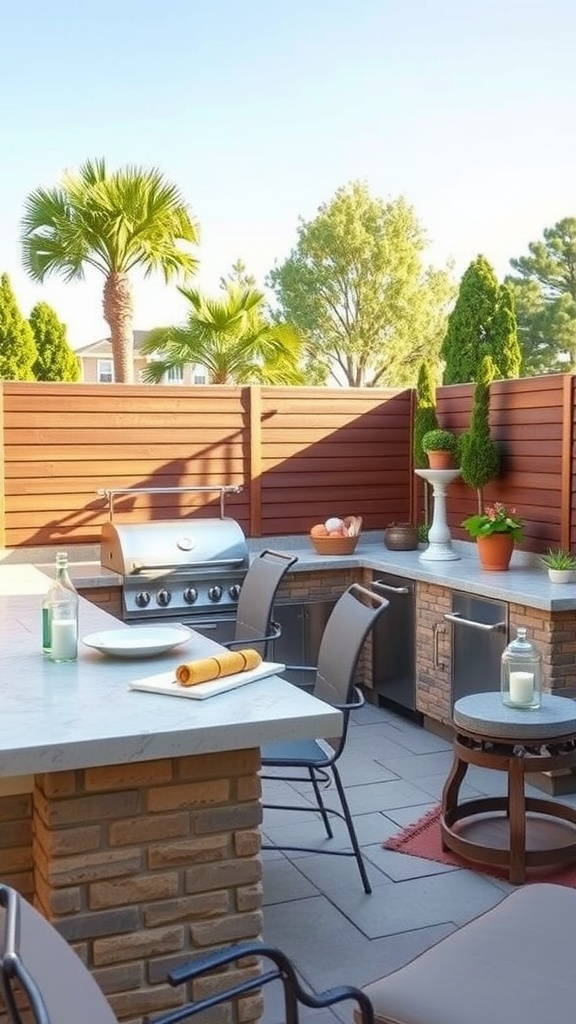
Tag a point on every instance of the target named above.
point(64, 640)
point(521, 687)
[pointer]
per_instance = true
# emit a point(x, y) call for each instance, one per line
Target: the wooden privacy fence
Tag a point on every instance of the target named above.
point(300, 454)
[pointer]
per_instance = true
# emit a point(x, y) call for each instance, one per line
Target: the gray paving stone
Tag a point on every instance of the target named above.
point(315, 907)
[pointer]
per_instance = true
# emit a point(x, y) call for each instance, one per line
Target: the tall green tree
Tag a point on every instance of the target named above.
point(117, 222)
point(545, 292)
point(546, 328)
point(55, 359)
point(17, 345)
point(482, 323)
point(425, 417)
point(231, 338)
point(356, 287)
point(478, 452)
point(504, 343)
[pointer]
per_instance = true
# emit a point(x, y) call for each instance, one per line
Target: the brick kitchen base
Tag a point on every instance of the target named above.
point(141, 866)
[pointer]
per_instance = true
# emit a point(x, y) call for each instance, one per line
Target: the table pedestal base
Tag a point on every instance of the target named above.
point(516, 760)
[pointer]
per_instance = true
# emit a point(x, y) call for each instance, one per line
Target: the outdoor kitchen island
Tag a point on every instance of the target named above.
point(131, 819)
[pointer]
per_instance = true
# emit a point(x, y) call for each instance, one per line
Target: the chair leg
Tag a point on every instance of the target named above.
point(320, 803)
point(351, 831)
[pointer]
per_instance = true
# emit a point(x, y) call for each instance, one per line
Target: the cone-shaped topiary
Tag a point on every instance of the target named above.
point(425, 418)
point(479, 454)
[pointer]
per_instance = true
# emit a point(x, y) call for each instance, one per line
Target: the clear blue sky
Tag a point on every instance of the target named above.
point(259, 111)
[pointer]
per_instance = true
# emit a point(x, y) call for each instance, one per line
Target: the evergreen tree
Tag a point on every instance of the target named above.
point(545, 294)
point(425, 418)
point(55, 359)
point(504, 344)
point(482, 323)
point(17, 345)
point(479, 453)
point(466, 340)
point(546, 328)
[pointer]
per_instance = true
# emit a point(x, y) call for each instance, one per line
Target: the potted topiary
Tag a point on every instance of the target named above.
point(561, 565)
point(441, 447)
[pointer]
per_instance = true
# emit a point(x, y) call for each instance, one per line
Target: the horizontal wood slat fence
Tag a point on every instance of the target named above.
point(300, 454)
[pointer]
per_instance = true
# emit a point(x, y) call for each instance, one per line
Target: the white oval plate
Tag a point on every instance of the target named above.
point(138, 641)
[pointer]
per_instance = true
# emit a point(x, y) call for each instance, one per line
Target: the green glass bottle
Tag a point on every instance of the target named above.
point(60, 606)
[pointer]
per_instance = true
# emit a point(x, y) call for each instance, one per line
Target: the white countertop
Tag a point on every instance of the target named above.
point(56, 717)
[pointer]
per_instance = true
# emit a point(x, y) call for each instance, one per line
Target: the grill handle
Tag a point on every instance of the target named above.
point(138, 567)
point(496, 627)
point(221, 489)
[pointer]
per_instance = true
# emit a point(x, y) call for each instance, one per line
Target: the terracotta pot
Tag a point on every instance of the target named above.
point(440, 459)
point(495, 551)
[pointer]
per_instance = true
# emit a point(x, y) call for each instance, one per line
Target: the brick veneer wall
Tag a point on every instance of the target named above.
point(140, 866)
point(554, 635)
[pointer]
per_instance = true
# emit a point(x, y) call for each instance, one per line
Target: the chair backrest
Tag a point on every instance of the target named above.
point(256, 601)
point(35, 959)
point(350, 622)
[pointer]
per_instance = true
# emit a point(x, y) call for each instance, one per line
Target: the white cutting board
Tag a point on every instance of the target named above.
point(165, 682)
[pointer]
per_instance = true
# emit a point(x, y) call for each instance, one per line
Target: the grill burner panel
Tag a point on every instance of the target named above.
point(179, 594)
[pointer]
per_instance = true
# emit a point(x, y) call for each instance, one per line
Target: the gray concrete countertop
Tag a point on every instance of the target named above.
point(526, 582)
point(57, 717)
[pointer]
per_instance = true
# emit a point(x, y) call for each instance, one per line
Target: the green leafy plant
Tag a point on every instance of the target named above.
point(558, 559)
point(423, 530)
point(495, 519)
point(440, 440)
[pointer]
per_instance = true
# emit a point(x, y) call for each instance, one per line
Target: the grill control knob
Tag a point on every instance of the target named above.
point(142, 598)
point(190, 595)
point(163, 597)
point(235, 591)
point(215, 593)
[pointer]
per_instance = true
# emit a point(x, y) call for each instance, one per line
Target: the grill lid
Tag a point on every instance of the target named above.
point(183, 544)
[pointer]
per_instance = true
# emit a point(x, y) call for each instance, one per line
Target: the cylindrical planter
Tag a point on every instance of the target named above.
point(495, 551)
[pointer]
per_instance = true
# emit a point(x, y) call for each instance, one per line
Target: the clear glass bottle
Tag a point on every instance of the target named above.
point(60, 615)
point(521, 673)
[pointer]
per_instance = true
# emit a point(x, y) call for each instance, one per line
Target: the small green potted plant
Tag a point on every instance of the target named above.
point(561, 565)
point(441, 447)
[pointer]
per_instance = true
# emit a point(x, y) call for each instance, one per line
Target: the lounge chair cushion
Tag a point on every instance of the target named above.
point(515, 964)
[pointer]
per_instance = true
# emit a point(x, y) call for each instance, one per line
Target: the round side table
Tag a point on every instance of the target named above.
point(515, 741)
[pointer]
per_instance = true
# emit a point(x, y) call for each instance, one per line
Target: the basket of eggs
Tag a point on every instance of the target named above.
point(336, 536)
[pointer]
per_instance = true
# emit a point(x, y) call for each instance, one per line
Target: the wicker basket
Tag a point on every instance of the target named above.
point(334, 545)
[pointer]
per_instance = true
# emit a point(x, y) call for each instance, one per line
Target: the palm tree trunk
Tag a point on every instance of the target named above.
point(118, 304)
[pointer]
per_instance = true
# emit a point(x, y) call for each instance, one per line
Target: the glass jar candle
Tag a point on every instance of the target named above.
point(521, 673)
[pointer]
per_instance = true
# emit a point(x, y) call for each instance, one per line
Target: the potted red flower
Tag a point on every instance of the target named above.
point(495, 530)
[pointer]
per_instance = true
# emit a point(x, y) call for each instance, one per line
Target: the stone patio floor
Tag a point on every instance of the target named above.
point(315, 908)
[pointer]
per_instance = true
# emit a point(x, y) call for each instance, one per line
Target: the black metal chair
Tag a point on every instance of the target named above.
point(350, 622)
point(254, 623)
point(41, 973)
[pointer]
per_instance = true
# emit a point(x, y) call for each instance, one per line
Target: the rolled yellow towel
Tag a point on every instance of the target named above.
point(206, 669)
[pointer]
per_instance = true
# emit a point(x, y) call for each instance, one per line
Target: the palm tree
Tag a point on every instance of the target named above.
point(231, 338)
point(114, 222)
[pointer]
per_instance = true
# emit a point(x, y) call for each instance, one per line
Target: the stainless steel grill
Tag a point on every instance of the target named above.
point(186, 570)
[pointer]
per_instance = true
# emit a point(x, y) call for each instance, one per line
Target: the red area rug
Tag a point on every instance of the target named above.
point(422, 839)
